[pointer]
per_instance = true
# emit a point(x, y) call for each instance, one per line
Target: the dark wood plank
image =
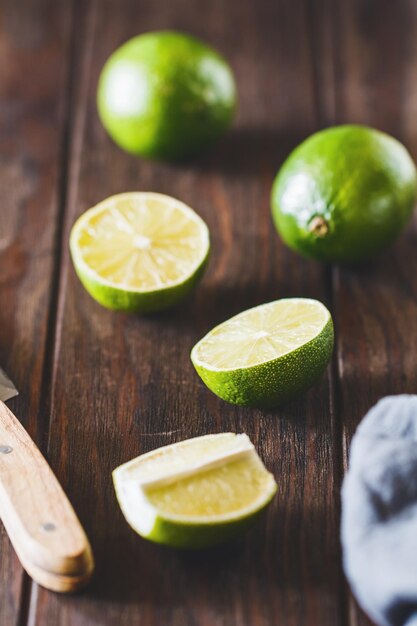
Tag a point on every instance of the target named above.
point(34, 49)
point(124, 385)
point(373, 61)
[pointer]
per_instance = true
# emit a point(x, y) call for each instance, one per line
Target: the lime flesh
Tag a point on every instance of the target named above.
point(165, 95)
point(194, 493)
point(139, 252)
point(344, 194)
point(266, 355)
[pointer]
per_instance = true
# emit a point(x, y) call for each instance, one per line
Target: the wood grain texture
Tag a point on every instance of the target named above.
point(375, 306)
point(34, 55)
point(124, 385)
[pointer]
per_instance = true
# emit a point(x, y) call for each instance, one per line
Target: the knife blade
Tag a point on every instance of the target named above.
point(7, 388)
point(37, 515)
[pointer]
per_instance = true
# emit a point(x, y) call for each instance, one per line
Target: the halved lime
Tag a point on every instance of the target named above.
point(266, 355)
point(139, 251)
point(195, 493)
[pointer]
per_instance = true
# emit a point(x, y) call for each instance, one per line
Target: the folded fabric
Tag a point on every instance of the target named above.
point(379, 512)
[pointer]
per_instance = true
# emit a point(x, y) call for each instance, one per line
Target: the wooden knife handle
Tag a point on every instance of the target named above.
point(39, 519)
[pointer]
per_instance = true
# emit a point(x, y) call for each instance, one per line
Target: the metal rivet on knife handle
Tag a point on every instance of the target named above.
point(6, 449)
point(49, 527)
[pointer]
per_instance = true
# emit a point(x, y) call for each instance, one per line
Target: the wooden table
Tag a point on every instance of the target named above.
point(98, 388)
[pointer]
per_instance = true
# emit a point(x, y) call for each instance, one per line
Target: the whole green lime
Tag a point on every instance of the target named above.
point(344, 194)
point(165, 95)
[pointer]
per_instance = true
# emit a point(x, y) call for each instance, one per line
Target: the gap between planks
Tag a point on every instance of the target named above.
point(78, 60)
point(325, 53)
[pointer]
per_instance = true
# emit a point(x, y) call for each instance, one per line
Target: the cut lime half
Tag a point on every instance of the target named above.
point(195, 493)
point(139, 251)
point(268, 354)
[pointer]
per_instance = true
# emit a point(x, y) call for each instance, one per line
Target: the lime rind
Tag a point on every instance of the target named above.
point(180, 532)
point(117, 299)
point(192, 536)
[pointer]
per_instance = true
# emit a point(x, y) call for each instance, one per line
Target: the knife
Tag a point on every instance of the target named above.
point(37, 515)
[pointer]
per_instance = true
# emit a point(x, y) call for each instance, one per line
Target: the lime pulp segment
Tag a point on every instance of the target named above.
point(226, 489)
point(261, 334)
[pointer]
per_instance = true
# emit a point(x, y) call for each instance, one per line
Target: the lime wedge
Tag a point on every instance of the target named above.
point(268, 354)
point(139, 251)
point(195, 493)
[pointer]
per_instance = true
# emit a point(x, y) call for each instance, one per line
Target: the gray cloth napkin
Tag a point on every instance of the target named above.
point(379, 512)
